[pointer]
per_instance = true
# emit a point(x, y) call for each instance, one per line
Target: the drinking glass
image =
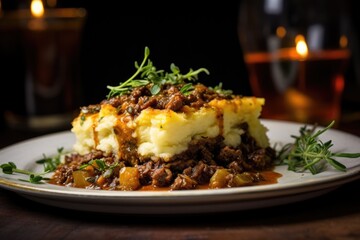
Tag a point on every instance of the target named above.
point(40, 57)
point(296, 53)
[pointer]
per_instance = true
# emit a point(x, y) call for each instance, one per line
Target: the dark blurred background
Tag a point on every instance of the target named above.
point(181, 32)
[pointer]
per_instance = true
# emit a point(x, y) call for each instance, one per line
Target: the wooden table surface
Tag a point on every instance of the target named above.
point(334, 215)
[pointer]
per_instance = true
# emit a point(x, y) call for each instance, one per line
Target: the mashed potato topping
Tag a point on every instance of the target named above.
point(163, 133)
point(242, 110)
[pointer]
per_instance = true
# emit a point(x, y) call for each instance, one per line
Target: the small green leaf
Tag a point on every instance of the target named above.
point(347, 155)
point(187, 88)
point(219, 89)
point(155, 89)
point(35, 178)
point(7, 168)
point(337, 165)
point(100, 164)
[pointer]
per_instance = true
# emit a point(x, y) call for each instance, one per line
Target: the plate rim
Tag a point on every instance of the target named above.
point(250, 193)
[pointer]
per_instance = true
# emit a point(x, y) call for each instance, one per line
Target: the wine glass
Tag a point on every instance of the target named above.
point(296, 53)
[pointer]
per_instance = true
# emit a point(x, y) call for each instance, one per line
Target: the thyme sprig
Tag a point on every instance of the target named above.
point(49, 163)
point(308, 152)
point(147, 73)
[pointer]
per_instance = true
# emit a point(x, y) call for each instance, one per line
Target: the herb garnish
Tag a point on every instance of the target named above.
point(149, 75)
point(310, 153)
point(100, 165)
point(219, 89)
point(50, 164)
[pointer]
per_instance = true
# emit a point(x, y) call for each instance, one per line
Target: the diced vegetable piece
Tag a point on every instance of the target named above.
point(80, 178)
point(101, 180)
point(242, 179)
point(129, 178)
point(219, 179)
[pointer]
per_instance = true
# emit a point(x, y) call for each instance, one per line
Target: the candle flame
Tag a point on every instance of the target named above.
point(301, 46)
point(37, 8)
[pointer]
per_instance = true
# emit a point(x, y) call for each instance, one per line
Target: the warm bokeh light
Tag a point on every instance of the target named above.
point(301, 46)
point(339, 83)
point(280, 31)
point(343, 41)
point(299, 38)
point(37, 8)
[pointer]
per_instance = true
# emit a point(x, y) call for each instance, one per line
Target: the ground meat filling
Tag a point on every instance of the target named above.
point(170, 97)
point(197, 166)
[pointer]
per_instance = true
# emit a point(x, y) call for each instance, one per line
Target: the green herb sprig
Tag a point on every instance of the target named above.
point(107, 170)
point(148, 74)
point(49, 163)
point(219, 89)
point(310, 153)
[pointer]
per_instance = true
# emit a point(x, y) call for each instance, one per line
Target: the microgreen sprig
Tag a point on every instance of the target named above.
point(219, 89)
point(10, 168)
point(99, 164)
point(150, 75)
point(50, 164)
point(310, 153)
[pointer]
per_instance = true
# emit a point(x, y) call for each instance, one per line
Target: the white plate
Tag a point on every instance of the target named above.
point(291, 187)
